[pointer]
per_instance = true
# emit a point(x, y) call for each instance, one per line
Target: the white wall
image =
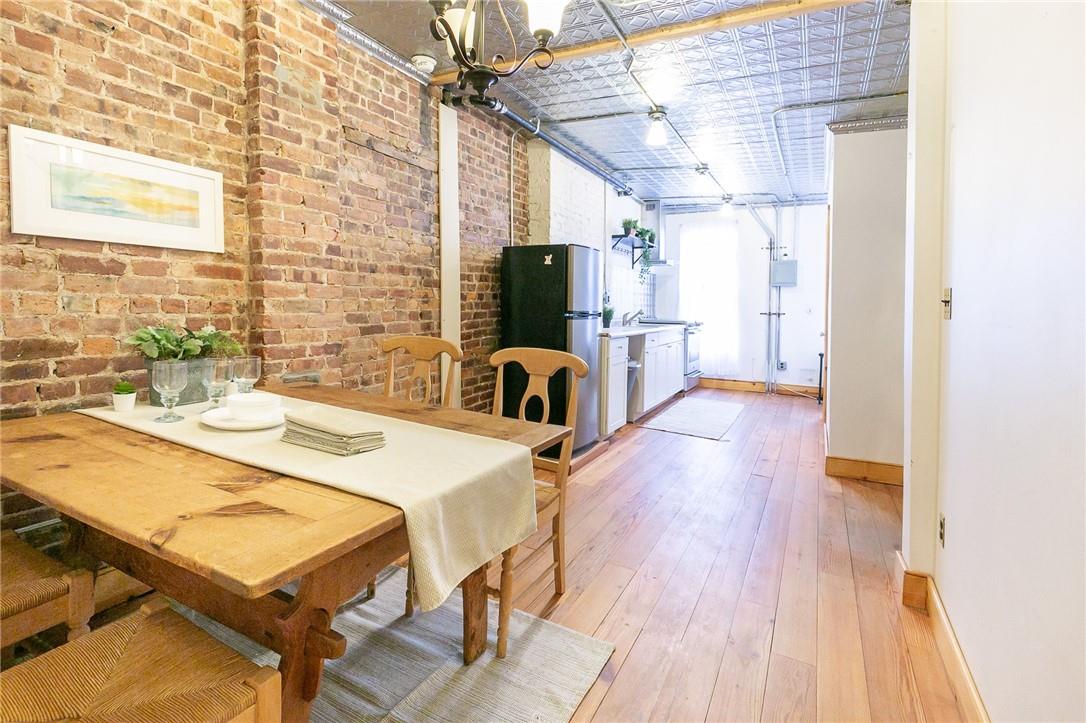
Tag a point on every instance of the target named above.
point(567, 204)
point(865, 397)
point(1012, 429)
point(802, 237)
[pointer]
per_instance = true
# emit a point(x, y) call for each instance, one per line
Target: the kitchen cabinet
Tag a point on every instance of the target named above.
point(613, 400)
point(663, 368)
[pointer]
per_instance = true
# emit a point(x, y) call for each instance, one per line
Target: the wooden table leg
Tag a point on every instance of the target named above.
point(475, 618)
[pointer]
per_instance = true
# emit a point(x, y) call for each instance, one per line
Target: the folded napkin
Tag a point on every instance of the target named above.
point(329, 430)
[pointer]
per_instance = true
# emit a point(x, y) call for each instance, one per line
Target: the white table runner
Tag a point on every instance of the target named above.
point(466, 498)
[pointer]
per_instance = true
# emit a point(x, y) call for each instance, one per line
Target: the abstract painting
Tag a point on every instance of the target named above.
point(78, 189)
point(70, 188)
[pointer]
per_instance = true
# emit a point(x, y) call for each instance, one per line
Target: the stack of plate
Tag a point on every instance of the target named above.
point(329, 430)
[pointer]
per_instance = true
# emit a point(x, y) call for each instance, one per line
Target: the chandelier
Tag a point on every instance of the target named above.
point(463, 29)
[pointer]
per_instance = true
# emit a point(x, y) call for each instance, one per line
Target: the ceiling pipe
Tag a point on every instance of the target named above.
point(619, 185)
point(811, 106)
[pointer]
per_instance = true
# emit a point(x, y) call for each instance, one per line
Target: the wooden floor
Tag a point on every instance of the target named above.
point(738, 582)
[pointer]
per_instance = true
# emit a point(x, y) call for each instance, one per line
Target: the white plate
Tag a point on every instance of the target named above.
point(220, 419)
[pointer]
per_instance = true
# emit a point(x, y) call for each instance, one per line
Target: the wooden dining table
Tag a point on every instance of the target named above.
point(224, 538)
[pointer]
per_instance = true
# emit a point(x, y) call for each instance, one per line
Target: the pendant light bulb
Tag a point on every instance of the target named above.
point(545, 19)
point(657, 135)
point(455, 16)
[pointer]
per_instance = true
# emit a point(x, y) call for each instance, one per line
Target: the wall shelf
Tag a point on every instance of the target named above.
point(635, 244)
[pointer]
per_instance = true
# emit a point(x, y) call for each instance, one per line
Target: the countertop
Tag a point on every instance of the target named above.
point(619, 332)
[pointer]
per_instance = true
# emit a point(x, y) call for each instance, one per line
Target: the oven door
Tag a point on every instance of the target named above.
point(693, 350)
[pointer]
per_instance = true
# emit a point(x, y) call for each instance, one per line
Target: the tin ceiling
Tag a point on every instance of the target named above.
point(752, 102)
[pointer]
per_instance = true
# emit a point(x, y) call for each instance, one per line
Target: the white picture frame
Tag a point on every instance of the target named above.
point(69, 188)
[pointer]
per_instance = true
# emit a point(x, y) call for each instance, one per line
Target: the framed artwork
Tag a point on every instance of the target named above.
point(74, 189)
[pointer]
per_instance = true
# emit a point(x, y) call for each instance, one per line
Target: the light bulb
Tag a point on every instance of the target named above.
point(545, 18)
point(455, 16)
point(657, 135)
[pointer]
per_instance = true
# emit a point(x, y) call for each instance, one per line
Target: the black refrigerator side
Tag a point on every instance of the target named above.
point(533, 313)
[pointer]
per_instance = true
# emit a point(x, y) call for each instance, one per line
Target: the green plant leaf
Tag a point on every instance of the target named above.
point(149, 349)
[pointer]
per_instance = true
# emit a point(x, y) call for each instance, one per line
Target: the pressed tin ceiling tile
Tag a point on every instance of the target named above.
point(726, 89)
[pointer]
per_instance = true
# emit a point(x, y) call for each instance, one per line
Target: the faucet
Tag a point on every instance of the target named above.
point(628, 319)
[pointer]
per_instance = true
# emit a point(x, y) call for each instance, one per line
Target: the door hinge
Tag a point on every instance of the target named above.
point(947, 301)
point(942, 530)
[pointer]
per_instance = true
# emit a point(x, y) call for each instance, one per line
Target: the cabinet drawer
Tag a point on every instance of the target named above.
point(620, 349)
point(652, 340)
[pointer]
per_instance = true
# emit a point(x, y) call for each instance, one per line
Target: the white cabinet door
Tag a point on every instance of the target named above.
point(651, 374)
point(677, 368)
point(616, 394)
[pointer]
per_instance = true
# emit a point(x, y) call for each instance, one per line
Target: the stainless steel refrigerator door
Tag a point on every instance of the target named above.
point(584, 341)
point(583, 291)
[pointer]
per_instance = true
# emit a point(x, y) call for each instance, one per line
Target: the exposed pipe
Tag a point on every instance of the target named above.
point(811, 106)
point(769, 298)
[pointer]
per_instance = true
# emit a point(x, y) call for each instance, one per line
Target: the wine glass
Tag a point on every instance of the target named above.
point(169, 378)
point(217, 373)
point(246, 372)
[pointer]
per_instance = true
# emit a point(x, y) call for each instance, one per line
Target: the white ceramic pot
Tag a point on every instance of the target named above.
point(124, 402)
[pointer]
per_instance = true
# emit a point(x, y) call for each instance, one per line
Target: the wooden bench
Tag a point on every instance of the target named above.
point(152, 665)
point(37, 593)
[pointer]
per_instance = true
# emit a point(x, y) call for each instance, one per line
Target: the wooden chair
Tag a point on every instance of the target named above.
point(423, 350)
point(152, 665)
point(37, 593)
point(550, 498)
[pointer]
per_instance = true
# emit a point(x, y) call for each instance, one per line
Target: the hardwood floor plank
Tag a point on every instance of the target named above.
point(741, 682)
point(790, 690)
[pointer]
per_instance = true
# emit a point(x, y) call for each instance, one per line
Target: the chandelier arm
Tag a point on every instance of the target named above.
point(541, 63)
point(442, 30)
point(469, 14)
point(509, 30)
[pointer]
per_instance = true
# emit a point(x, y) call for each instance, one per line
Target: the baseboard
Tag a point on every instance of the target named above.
point(797, 390)
point(891, 474)
point(961, 679)
point(734, 385)
point(914, 586)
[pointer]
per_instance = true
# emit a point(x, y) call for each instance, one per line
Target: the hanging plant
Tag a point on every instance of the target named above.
point(645, 270)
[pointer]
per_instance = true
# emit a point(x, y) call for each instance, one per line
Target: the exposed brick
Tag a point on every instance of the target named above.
point(36, 348)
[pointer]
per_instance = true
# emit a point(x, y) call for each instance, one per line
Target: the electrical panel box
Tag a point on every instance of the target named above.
point(784, 273)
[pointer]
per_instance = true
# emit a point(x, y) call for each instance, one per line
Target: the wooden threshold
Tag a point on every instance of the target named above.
point(890, 474)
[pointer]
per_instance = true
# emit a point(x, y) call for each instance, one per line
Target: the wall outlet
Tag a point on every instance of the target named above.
point(942, 531)
point(782, 366)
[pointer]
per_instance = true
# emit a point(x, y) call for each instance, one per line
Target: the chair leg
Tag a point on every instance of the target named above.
point(558, 530)
point(505, 599)
point(409, 603)
point(80, 602)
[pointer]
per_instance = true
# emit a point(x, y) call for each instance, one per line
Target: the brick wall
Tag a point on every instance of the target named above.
point(158, 78)
point(329, 167)
point(484, 142)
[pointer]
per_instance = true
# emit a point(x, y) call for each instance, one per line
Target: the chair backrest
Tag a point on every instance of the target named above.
point(423, 350)
point(541, 365)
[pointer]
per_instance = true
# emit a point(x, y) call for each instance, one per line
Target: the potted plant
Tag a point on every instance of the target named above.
point(156, 343)
point(608, 314)
point(628, 225)
point(124, 397)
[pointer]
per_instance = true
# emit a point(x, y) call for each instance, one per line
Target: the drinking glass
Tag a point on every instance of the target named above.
point(169, 378)
point(217, 373)
point(246, 372)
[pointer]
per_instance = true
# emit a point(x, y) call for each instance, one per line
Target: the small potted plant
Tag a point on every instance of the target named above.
point(156, 343)
point(124, 397)
point(608, 314)
point(629, 225)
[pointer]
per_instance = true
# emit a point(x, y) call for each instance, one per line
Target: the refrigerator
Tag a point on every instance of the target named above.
point(551, 299)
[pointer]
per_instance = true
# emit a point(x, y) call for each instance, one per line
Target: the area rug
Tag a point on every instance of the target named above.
point(697, 417)
point(410, 669)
